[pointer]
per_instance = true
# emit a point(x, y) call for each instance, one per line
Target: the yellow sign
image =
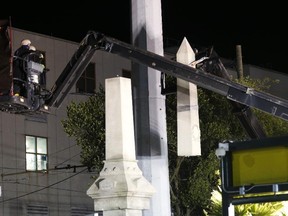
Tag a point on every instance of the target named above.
point(260, 166)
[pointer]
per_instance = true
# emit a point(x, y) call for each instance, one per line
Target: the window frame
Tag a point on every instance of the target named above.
point(87, 79)
point(36, 154)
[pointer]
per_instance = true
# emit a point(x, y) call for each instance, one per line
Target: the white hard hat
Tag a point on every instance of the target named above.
point(33, 48)
point(25, 42)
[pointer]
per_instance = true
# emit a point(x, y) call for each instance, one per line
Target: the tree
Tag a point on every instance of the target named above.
point(192, 179)
point(255, 209)
point(86, 123)
point(273, 126)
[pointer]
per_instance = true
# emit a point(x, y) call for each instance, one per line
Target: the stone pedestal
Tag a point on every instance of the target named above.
point(120, 189)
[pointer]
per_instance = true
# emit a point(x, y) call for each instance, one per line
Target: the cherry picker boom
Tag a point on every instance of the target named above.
point(94, 41)
point(233, 91)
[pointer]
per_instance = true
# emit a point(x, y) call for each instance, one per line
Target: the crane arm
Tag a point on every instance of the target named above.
point(236, 92)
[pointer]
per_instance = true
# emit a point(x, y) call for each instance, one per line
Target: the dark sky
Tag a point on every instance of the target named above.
point(260, 31)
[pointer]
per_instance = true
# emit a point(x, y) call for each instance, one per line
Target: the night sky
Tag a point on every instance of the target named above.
point(260, 31)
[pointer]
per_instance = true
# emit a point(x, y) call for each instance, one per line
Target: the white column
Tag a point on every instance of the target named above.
point(188, 129)
point(149, 110)
point(120, 188)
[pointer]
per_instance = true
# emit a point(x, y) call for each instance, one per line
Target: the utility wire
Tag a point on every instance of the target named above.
point(62, 149)
point(24, 172)
point(47, 170)
point(54, 188)
point(13, 198)
point(67, 159)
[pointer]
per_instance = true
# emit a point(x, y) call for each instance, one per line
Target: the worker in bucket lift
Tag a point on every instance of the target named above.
point(35, 78)
point(19, 75)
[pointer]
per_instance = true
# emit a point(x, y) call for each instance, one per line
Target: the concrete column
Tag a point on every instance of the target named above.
point(149, 105)
point(188, 129)
point(121, 189)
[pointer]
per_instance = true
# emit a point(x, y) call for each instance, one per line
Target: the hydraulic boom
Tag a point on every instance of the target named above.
point(94, 41)
point(233, 91)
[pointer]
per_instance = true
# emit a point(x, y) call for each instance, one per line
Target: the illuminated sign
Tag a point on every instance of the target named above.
point(254, 166)
point(260, 166)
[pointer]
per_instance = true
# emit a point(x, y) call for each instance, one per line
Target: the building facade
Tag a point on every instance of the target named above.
point(40, 165)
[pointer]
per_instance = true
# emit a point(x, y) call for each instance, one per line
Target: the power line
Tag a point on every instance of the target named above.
point(44, 187)
point(55, 167)
point(52, 169)
point(62, 189)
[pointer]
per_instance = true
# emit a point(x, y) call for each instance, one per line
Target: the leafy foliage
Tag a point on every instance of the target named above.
point(86, 122)
point(273, 126)
point(256, 209)
point(192, 179)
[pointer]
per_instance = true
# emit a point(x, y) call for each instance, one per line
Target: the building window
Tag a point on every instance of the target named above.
point(126, 73)
point(36, 153)
point(87, 82)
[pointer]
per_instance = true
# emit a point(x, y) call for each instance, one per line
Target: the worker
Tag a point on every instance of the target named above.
point(35, 56)
point(19, 75)
point(32, 48)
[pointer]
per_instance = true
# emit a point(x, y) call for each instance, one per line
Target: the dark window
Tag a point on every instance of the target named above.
point(126, 73)
point(86, 83)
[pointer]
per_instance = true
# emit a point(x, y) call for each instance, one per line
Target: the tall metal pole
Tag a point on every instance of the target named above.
point(149, 105)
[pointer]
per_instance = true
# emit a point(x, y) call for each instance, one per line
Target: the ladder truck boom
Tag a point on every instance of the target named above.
point(93, 41)
point(233, 91)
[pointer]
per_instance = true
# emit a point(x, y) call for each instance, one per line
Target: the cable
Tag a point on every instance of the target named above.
point(62, 150)
point(43, 188)
point(19, 183)
point(47, 170)
point(67, 159)
point(23, 172)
